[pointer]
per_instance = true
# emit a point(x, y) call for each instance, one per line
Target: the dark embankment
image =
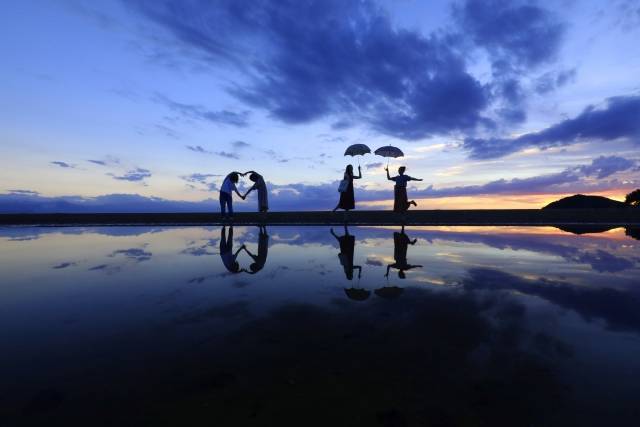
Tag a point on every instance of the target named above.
point(581, 201)
point(553, 217)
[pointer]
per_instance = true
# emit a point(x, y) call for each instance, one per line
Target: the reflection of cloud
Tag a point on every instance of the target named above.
point(63, 265)
point(137, 254)
point(621, 310)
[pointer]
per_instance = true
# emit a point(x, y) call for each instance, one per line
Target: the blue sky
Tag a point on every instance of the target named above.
point(148, 104)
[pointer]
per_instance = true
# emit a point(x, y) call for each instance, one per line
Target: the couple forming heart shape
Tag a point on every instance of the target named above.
point(229, 186)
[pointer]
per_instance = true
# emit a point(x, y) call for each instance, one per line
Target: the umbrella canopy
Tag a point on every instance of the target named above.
point(389, 151)
point(357, 150)
point(389, 292)
point(357, 294)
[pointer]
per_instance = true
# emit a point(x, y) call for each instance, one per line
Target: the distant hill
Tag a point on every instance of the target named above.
point(580, 201)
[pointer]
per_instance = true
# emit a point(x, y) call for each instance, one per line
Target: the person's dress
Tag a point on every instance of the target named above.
point(347, 249)
point(400, 245)
point(400, 199)
point(347, 198)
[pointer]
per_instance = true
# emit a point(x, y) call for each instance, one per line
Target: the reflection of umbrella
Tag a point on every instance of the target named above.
point(389, 151)
point(389, 292)
point(357, 294)
point(357, 150)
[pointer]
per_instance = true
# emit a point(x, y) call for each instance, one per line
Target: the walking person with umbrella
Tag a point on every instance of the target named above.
point(347, 197)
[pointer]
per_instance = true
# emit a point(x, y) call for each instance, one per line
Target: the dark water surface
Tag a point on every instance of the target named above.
point(472, 326)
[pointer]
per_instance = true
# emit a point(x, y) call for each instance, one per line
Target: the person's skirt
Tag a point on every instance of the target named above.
point(347, 199)
point(263, 201)
point(400, 200)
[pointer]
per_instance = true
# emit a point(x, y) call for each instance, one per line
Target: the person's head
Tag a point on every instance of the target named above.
point(401, 170)
point(349, 170)
point(255, 267)
point(234, 177)
point(401, 274)
point(235, 267)
point(254, 176)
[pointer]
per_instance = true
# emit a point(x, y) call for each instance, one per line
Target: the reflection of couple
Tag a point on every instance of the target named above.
point(229, 258)
point(229, 187)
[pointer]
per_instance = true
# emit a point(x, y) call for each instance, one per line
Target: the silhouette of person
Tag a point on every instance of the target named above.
point(261, 187)
point(347, 247)
point(226, 190)
point(226, 251)
point(260, 259)
point(400, 200)
point(401, 243)
point(347, 198)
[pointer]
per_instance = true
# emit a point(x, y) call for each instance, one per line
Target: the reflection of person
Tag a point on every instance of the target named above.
point(226, 251)
point(347, 198)
point(260, 259)
point(400, 201)
point(401, 243)
point(347, 247)
point(226, 190)
point(261, 187)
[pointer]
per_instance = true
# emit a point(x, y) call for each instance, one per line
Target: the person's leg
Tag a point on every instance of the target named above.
point(222, 204)
point(230, 205)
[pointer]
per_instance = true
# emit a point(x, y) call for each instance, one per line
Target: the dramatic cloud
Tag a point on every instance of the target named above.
point(550, 81)
point(603, 167)
point(515, 33)
point(135, 175)
point(63, 164)
point(307, 60)
point(198, 112)
point(618, 119)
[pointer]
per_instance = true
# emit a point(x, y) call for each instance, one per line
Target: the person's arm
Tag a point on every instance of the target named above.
point(237, 192)
point(415, 179)
point(388, 176)
point(238, 251)
point(333, 233)
point(254, 257)
point(359, 173)
point(413, 242)
point(410, 266)
point(388, 268)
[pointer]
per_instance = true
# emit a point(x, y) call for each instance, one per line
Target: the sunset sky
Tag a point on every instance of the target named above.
point(146, 105)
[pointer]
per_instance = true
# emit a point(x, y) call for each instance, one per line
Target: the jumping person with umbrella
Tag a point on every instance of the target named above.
point(401, 202)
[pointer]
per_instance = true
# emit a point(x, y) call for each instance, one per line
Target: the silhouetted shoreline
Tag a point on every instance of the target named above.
point(535, 217)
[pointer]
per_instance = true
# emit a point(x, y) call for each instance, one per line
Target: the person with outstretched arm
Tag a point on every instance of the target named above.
point(401, 243)
point(226, 191)
point(260, 259)
point(400, 199)
point(226, 251)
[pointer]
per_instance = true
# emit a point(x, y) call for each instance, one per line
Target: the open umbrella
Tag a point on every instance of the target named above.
point(357, 294)
point(357, 150)
point(389, 151)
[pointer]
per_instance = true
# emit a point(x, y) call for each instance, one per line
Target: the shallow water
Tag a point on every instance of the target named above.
point(473, 326)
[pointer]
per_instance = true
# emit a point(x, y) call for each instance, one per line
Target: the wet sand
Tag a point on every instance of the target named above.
point(536, 217)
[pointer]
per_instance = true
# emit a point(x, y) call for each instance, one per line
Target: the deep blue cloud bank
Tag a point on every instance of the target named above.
point(321, 196)
point(618, 119)
point(306, 60)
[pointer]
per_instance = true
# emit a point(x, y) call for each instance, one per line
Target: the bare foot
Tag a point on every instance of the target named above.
point(413, 202)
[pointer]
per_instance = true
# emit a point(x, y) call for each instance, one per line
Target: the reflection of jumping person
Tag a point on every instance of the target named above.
point(226, 190)
point(261, 187)
point(347, 198)
point(226, 251)
point(401, 243)
point(400, 200)
point(260, 259)
point(347, 247)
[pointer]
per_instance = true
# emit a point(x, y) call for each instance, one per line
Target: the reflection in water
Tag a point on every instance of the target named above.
point(226, 251)
point(260, 259)
point(505, 327)
point(401, 244)
point(347, 248)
